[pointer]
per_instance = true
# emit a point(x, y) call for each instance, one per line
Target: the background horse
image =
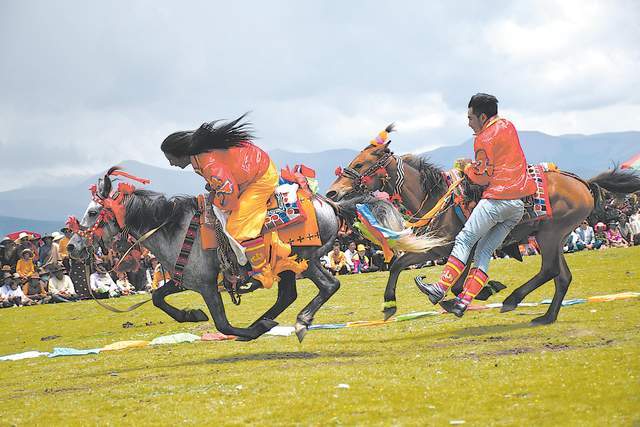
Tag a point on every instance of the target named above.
point(420, 185)
point(146, 210)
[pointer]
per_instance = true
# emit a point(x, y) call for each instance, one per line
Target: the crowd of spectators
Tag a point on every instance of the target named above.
point(38, 270)
point(354, 258)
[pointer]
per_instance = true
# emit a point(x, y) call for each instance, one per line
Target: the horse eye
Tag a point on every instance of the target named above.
point(93, 213)
point(358, 166)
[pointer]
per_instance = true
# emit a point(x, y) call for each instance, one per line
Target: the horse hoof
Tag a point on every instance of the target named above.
point(509, 304)
point(508, 307)
point(196, 316)
point(542, 320)
point(301, 331)
point(388, 312)
point(265, 325)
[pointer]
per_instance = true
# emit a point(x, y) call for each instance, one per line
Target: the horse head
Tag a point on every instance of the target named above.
point(103, 219)
point(367, 172)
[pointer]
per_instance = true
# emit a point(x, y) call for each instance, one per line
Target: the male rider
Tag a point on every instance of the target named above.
point(501, 167)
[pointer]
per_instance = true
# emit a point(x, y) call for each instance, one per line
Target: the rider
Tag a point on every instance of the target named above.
point(501, 167)
point(240, 178)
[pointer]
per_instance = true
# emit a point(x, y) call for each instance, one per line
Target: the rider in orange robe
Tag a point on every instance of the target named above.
point(240, 178)
point(501, 167)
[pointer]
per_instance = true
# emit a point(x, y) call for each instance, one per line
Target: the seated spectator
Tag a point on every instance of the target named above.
point(62, 245)
point(160, 275)
point(586, 237)
point(348, 254)
point(12, 293)
point(614, 237)
point(361, 262)
point(102, 285)
point(61, 286)
point(45, 250)
point(7, 277)
point(35, 290)
point(25, 266)
point(634, 228)
point(123, 284)
point(337, 260)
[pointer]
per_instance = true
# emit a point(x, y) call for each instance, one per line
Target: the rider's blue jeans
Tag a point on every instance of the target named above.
point(489, 224)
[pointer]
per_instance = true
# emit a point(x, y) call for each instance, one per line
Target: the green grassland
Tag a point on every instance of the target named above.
point(486, 368)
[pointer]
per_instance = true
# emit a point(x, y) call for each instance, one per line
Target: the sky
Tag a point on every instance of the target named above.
point(84, 85)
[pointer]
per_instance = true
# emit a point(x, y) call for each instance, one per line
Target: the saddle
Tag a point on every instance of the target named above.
point(465, 196)
point(290, 211)
point(536, 206)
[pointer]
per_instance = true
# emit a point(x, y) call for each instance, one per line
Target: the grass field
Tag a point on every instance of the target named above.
point(486, 368)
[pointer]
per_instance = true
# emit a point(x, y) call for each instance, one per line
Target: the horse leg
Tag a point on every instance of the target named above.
point(287, 294)
point(215, 304)
point(389, 307)
point(562, 282)
point(550, 250)
point(158, 298)
point(327, 286)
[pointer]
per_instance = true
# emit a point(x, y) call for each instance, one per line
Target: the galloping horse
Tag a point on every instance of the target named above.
point(144, 211)
point(420, 185)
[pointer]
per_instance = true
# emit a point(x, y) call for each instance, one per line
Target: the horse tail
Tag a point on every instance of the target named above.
point(389, 217)
point(618, 181)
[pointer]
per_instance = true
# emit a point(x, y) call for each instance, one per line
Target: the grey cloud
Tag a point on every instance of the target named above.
point(96, 83)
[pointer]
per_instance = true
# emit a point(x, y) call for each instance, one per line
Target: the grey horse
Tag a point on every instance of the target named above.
point(146, 210)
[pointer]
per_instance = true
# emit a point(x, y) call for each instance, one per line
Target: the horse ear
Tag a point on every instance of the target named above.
point(104, 186)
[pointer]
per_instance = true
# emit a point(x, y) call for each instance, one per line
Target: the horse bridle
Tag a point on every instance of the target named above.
point(380, 166)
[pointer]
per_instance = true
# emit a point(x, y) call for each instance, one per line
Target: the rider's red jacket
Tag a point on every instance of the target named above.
point(500, 163)
point(230, 171)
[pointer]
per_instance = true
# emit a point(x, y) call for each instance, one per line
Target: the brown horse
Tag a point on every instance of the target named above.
point(419, 185)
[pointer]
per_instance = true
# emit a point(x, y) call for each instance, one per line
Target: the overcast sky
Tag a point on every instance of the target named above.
point(84, 85)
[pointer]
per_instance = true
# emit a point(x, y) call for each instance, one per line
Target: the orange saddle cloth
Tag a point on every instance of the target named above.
point(302, 230)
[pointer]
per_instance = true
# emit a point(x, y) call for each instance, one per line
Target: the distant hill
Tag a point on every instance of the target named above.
point(55, 203)
point(9, 225)
point(586, 155)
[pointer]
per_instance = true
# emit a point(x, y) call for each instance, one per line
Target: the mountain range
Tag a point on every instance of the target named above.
point(40, 208)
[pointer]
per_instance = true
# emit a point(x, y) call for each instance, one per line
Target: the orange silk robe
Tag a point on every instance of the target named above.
point(242, 179)
point(500, 163)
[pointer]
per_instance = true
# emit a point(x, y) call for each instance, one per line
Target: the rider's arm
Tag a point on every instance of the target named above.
point(480, 171)
point(224, 188)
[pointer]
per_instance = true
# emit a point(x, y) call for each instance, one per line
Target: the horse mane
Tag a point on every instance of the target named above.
point(150, 209)
point(431, 177)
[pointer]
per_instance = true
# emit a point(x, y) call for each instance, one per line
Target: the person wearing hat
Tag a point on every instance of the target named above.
point(45, 249)
point(6, 271)
point(101, 283)
point(25, 266)
point(35, 290)
point(33, 243)
point(12, 294)
point(53, 256)
point(7, 278)
point(361, 262)
point(64, 242)
point(61, 286)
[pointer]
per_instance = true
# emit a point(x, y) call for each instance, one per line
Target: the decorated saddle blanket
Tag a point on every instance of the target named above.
point(290, 211)
point(537, 206)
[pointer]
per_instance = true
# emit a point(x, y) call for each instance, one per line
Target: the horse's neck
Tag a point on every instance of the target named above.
point(414, 198)
point(163, 244)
